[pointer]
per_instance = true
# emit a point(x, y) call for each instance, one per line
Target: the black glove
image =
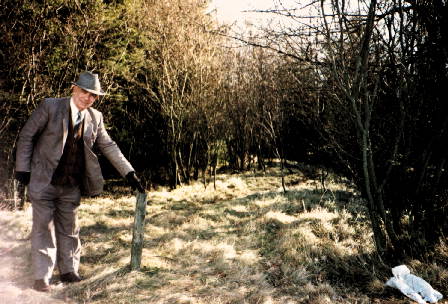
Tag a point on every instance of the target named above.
point(134, 181)
point(23, 177)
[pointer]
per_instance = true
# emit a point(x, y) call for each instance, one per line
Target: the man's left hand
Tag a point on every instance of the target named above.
point(134, 182)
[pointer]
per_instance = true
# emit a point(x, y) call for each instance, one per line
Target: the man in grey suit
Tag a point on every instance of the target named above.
point(55, 158)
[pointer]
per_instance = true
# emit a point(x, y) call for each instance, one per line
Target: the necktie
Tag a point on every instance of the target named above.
point(77, 124)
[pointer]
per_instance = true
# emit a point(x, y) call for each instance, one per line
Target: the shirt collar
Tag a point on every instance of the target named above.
point(75, 110)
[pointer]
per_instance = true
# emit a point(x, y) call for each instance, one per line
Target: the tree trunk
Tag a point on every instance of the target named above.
point(184, 172)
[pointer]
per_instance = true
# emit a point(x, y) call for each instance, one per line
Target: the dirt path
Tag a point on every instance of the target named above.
point(15, 262)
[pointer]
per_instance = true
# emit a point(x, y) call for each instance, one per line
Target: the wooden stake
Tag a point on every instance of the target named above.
point(138, 232)
point(20, 193)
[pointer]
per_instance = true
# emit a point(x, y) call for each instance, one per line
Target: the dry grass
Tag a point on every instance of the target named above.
point(246, 242)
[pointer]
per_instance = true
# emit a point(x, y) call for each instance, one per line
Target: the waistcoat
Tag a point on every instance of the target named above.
point(70, 169)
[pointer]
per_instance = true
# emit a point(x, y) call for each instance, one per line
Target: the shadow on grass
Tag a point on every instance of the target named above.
point(183, 205)
point(103, 243)
point(121, 213)
point(240, 214)
point(98, 256)
point(363, 273)
point(94, 288)
point(294, 202)
point(101, 228)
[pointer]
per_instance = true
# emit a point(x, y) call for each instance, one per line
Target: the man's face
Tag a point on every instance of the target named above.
point(82, 98)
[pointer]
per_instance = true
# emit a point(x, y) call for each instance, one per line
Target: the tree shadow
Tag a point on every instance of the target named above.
point(364, 273)
point(93, 288)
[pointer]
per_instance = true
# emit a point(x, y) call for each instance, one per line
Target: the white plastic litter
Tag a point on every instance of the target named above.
point(413, 286)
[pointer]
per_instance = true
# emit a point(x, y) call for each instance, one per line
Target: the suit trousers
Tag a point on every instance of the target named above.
point(55, 231)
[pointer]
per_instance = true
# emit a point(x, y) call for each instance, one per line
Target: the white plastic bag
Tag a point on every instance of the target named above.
point(413, 286)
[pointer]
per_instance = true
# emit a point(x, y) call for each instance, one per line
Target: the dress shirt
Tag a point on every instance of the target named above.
point(75, 111)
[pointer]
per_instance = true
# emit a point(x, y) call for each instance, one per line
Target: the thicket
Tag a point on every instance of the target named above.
point(394, 144)
point(356, 92)
point(381, 114)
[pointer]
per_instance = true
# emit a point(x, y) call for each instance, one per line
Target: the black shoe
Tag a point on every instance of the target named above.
point(70, 277)
point(40, 285)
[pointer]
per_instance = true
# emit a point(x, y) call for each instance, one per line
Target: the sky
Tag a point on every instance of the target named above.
point(229, 11)
point(238, 12)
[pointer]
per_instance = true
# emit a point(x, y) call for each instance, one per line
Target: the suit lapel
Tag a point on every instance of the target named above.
point(87, 125)
point(65, 120)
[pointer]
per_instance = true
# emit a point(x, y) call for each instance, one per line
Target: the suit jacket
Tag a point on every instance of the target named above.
point(42, 139)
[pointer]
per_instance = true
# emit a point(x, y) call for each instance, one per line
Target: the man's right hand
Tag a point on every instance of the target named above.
point(23, 177)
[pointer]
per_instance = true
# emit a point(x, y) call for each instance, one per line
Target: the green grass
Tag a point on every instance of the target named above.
point(246, 242)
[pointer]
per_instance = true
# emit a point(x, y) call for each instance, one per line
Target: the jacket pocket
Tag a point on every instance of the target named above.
point(93, 182)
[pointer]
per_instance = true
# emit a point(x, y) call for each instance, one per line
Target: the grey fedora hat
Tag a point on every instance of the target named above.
point(89, 82)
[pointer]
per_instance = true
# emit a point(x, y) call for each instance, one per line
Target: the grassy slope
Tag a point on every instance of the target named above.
point(246, 242)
